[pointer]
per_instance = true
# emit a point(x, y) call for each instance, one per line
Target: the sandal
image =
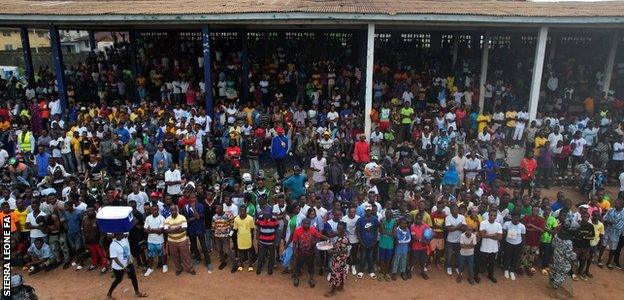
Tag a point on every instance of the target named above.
point(296, 282)
point(312, 283)
point(140, 295)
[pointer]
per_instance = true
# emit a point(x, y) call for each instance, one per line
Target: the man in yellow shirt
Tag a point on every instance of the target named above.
point(483, 120)
point(177, 242)
point(244, 225)
point(426, 217)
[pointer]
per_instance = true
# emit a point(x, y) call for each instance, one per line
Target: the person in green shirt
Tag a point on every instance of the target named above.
point(546, 239)
point(407, 112)
point(251, 206)
point(386, 244)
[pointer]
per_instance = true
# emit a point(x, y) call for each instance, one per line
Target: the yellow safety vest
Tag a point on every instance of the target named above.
point(24, 141)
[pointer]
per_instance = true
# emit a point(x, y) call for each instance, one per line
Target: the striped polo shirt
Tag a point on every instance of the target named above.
point(267, 230)
point(179, 221)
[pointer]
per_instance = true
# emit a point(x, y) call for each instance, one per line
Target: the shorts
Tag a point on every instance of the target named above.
point(154, 250)
point(610, 241)
point(437, 244)
point(385, 254)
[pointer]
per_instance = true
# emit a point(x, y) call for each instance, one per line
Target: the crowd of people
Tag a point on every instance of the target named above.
point(434, 186)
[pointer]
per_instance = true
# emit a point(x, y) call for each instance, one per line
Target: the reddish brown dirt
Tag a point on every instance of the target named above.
point(68, 284)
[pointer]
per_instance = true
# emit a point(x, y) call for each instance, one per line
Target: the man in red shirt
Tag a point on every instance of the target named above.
point(437, 244)
point(361, 151)
point(419, 246)
point(304, 241)
point(534, 227)
point(528, 166)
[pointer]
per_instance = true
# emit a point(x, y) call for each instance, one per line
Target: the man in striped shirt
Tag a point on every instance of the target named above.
point(267, 226)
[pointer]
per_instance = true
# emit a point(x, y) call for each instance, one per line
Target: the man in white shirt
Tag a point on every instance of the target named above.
point(472, 168)
point(173, 180)
point(514, 232)
point(454, 224)
point(617, 163)
point(318, 165)
point(154, 227)
point(139, 197)
point(407, 96)
point(491, 232)
point(31, 221)
point(554, 137)
point(578, 146)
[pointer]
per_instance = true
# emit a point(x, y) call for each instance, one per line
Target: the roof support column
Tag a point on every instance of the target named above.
point(484, 66)
point(608, 71)
point(133, 53)
point(92, 40)
point(28, 64)
point(245, 70)
point(207, 69)
point(57, 62)
point(538, 67)
point(368, 95)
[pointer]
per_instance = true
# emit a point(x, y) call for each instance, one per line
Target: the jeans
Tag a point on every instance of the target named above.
point(451, 252)
point(262, 254)
point(58, 243)
point(254, 166)
point(195, 250)
point(75, 240)
point(68, 162)
point(468, 260)
point(511, 256)
point(367, 259)
point(399, 263)
point(546, 252)
point(208, 237)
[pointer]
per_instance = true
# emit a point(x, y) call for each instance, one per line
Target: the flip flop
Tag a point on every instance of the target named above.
point(141, 295)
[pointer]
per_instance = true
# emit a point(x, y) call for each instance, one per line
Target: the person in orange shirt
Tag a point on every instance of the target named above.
point(5, 210)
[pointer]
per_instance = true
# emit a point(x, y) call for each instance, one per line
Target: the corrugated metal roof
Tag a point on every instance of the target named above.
point(395, 7)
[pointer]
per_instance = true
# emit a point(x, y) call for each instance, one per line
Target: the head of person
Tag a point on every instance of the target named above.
point(173, 209)
point(39, 243)
point(492, 215)
point(119, 236)
point(242, 211)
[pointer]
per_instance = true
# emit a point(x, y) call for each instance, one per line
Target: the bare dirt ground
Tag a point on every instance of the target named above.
point(71, 284)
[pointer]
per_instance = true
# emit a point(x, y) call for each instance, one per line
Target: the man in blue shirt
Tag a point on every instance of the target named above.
point(280, 146)
point(296, 184)
point(122, 133)
point(42, 159)
point(367, 228)
point(39, 256)
point(196, 230)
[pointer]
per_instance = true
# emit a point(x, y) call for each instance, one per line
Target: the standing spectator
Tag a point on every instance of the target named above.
point(154, 227)
point(267, 229)
point(491, 232)
point(244, 225)
point(280, 146)
point(177, 241)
